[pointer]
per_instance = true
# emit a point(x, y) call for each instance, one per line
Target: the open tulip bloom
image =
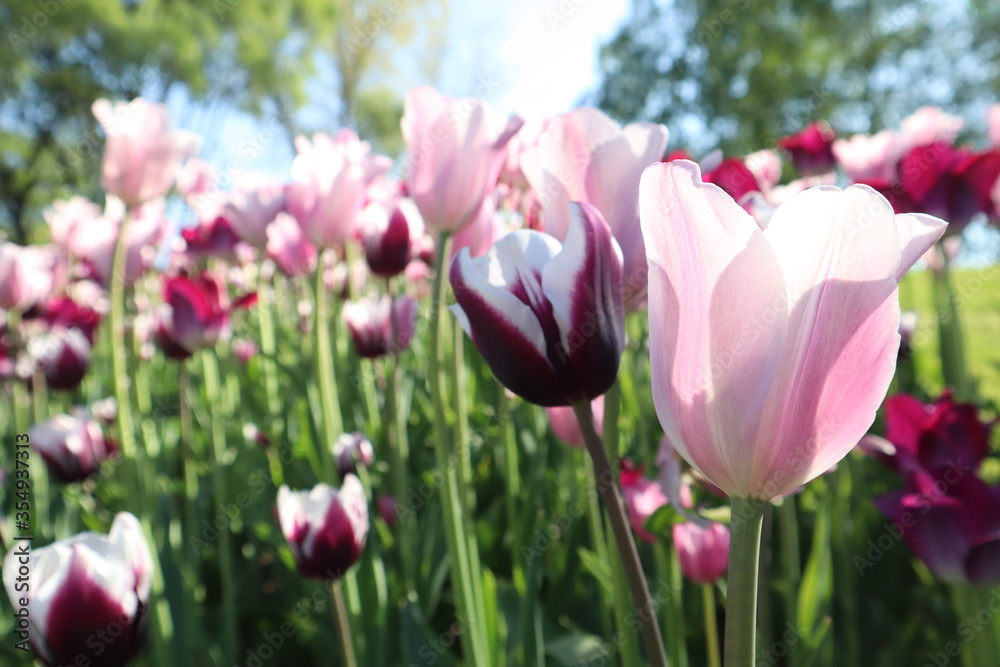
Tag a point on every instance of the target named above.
point(771, 348)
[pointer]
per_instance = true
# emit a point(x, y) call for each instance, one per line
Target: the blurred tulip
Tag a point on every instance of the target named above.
point(142, 155)
point(212, 237)
point(566, 427)
point(67, 217)
point(330, 176)
point(252, 206)
point(586, 156)
point(993, 124)
point(765, 165)
point(929, 125)
point(13, 277)
point(73, 445)
point(289, 248)
point(456, 149)
point(196, 182)
point(388, 236)
point(547, 317)
point(868, 158)
point(89, 595)
point(387, 510)
point(812, 148)
point(195, 315)
point(642, 498)
point(63, 355)
point(349, 450)
point(94, 240)
point(325, 528)
point(771, 349)
point(702, 550)
point(244, 350)
point(372, 323)
point(734, 177)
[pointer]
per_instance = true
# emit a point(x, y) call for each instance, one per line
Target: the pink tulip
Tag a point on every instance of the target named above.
point(252, 206)
point(142, 154)
point(771, 349)
point(88, 597)
point(73, 445)
point(330, 176)
point(566, 427)
point(94, 240)
point(702, 550)
point(388, 235)
point(289, 248)
point(811, 149)
point(869, 158)
point(548, 317)
point(351, 449)
point(765, 165)
point(456, 151)
point(14, 287)
point(325, 528)
point(929, 125)
point(993, 124)
point(642, 497)
point(487, 228)
point(67, 218)
point(196, 182)
point(585, 156)
point(372, 323)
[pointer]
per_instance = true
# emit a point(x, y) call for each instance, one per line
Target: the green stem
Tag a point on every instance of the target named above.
point(744, 560)
point(399, 461)
point(119, 350)
point(711, 625)
point(332, 424)
point(269, 348)
point(451, 500)
point(219, 491)
point(645, 611)
point(951, 338)
point(792, 564)
point(340, 620)
point(668, 569)
point(598, 540)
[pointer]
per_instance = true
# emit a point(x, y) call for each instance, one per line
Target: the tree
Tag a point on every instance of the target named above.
point(739, 74)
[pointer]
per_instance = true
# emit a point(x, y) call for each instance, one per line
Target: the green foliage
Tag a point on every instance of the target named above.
point(740, 74)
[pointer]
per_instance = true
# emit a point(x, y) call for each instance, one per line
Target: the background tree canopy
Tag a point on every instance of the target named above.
point(738, 74)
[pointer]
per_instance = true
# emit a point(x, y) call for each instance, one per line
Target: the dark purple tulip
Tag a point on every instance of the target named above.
point(547, 316)
point(73, 445)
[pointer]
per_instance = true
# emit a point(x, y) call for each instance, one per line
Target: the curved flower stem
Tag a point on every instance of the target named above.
point(711, 625)
point(332, 424)
point(741, 592)
point(451, 498)
point(343, 627)
point(645, 611)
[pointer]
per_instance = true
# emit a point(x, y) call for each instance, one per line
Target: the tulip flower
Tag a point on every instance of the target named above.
point(548, 317)
point(67, 217)
point(289, 248)
point(212, 237)
point(771, 349)
point(325, 528)
point(642, 498)
point(381, 326)
point(566, 427)
point(252, 205)
point(387, 510)
point(89, 595)
point(27, 275)
point(869, 158)
point(94, 240)
point(349, 450)
point(812, 148)
point(195, 315)
point(142, 155)
point(703, 550)
point(388, 236)
point(586, 156)
point(993, 124)
point(330, 176)
point(73, 445)
point(457, 149)
point(928, 125)
point(63, 355)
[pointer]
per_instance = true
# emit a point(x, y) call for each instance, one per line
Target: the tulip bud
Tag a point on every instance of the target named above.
point(288, 246)
point(325, 528)
point(387, 510)
point(812, 148)
point(372, 323)
point(547, 316)
point(703, 550)
point(388, 236)
point(349, 450)
point(73, 446)
point(89, 595)
point(63, 355)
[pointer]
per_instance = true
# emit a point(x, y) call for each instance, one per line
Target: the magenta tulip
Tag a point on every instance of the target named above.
point(373, 322)
point(142, 155)
point(212, 237)
point(771, 349)
point(703, 550)
point(196, 314)
point(456, 151)
point(642, 498)
point(812, 148)
point(72, 445)
point(566, 427)
point(330, 177)
point(89, 595)
point(586, 156)
point(325, 528)
point(548, 317)
point(63, 356)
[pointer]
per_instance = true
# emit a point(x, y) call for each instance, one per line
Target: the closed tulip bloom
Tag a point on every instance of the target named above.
point(94, 240)
point(73, 445)
point(703, 550)
point(771, 349)
point(325, 528)
point(14, 286)
point(196, 314)
point(89, 595)
point(388, 235)
point(330, 177)
point(63, 355)
point(548, 317)
point(993, 124)
point(566, 427)
point(349, 450)
point(928, 125)
point(253, 204)
point(586, 156)
point(289, 248)
point(642, 498)
point(457, 149)
point(373, 323)
point(869, 158)
point(812, 148)
point(142, 155)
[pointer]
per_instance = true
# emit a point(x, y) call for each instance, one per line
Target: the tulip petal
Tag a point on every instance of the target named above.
point(917, 233)
point(717, 314)
point(839, 252)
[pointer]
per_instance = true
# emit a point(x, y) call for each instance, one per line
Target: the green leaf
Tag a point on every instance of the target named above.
point(661, 520)
point(575, 649)
point(597, 567)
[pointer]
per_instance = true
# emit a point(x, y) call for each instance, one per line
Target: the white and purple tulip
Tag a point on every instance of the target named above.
point(547, 316)
point(326, 528)
point(73, 445)
point(89, 595)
